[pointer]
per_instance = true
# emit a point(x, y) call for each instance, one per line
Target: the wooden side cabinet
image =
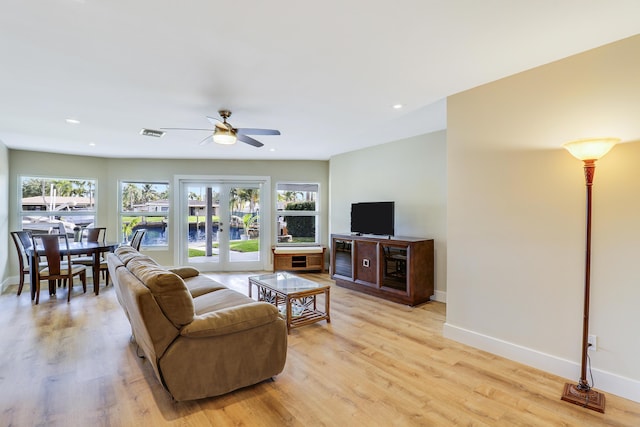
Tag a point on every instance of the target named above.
point(297, 258)
point(400, 269)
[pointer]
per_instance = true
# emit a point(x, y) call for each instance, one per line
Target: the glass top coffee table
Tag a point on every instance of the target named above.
point(294, 296)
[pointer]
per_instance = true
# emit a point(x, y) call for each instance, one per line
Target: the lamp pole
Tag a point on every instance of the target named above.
point(587, 150)
point(589, 171)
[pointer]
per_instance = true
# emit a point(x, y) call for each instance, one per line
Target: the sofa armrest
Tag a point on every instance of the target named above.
point(231, 320)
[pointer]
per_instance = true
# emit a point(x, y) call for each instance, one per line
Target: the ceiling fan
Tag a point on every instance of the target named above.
point(224, 133)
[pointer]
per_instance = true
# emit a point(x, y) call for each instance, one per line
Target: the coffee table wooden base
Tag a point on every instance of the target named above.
point(299, 308)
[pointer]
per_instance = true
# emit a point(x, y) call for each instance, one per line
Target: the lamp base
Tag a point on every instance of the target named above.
point(589, 398)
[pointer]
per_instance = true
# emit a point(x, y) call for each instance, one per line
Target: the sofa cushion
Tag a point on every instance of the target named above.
point(200, 285)
point(298, 250)
point(219, 300)
point(231, 320)
point(168, 289)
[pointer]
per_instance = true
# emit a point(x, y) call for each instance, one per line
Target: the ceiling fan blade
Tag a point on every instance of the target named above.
point(223, 126)
point(219, 123)
point(249, 140)
point(207, 140)
point(214, 120)
point(209, 130)
point(253, 131)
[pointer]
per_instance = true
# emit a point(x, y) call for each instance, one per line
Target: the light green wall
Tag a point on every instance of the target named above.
point(410, 172)
point(4, 217)
point(516, 216)
point(109, 171)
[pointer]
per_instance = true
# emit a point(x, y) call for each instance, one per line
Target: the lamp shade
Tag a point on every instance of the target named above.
point(224, 136)
point(590, 148)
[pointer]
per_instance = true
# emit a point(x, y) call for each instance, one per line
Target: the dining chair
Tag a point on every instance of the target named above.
point(136, 240)
point(58, 229)
point(22, 240)
point(93, 235)
point(96, 234)
point(59, 266)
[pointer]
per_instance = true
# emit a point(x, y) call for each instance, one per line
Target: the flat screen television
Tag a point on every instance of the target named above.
point(373, 218)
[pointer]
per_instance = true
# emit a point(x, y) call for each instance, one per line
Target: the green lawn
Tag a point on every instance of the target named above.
point(128, 219)
point(244, 245)
point(235, 245)
point(197, 252)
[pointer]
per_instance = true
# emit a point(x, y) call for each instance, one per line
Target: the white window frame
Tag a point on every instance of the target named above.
point(315, 213)
point(142, 214)
point(93, 195)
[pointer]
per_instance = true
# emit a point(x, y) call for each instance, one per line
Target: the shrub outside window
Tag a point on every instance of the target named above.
point(50, 204)
point(145, 205)
point(297, 214)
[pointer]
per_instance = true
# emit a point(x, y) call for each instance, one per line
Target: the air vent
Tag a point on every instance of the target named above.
point(152, 132)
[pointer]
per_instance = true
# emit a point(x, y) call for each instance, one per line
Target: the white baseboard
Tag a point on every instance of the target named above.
point(439, 296)
point(605, 381)
point(8, 282)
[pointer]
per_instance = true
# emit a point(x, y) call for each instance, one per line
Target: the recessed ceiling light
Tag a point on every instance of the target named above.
point(397, 106)
point(272, 149)
point(72, 121)
point(92, 144)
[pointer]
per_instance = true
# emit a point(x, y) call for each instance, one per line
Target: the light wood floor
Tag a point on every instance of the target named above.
point(375, 364)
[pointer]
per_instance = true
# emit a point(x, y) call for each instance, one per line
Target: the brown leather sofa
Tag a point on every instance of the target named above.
point(201, 338)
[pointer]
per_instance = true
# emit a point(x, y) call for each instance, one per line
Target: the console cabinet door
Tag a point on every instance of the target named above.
point(394, 260)
point(366, 262)
point(342, 258)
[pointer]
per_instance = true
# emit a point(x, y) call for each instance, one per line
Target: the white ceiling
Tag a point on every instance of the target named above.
point(324, 73)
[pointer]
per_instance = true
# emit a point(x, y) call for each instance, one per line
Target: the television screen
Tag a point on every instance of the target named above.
point(373, 218)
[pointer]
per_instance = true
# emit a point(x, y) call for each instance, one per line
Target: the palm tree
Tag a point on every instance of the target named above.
point(63, 187)
point(148, 193)
point(131, 194)
point(254, 198)
point(80, 189)
point(246, 195)
point(288, 196)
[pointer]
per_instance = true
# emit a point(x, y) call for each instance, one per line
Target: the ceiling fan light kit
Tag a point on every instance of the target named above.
point(225, 134)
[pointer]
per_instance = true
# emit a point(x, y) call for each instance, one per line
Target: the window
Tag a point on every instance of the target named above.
point(145, 205)
point(298, 217)
point(55, 203)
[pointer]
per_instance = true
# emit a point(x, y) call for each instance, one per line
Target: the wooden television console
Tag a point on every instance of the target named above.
point(400, 269)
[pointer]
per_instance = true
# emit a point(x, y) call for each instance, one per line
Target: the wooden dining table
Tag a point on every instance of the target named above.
point(75, 248)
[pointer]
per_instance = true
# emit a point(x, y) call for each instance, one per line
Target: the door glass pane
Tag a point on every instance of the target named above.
point(222, 228)
point(202, 235)
point(244, 224)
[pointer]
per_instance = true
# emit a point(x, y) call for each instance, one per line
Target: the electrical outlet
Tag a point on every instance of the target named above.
point(365, 262)
point(592, 340)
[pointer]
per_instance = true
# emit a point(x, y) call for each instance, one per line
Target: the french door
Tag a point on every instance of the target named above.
point(222, 223)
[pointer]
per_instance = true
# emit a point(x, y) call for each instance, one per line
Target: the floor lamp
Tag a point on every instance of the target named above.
point(587, 150)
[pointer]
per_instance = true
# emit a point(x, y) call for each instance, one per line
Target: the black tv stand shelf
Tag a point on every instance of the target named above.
point(400, 269)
